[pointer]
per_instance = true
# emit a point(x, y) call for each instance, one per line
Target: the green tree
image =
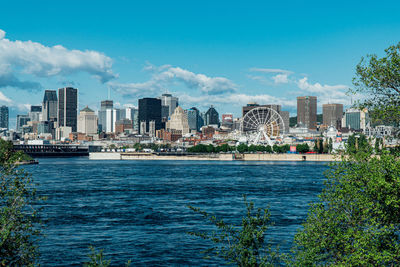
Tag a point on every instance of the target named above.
point(224, 148)
point(242, 148)
point(242, 244)
point(302, 148)
point(252, 148)
point(358, 143)
point(378, 80)
point(357, 219)
point(19, 222)
point(210, 148)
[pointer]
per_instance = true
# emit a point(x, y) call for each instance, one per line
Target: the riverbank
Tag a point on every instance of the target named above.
point(212, 157)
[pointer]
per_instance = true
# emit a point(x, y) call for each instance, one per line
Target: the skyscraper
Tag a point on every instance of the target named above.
point(212, 116)
point(149, 110)
point(307, 111)
point(356, 119)
point(193, 118)
point(4, 117)
point(87, 121)
point(49, 105)
point(67, 107)
point(132, 114)
point(249, 107)
point(167, 100)
point(286, 120)
point(105, 104)
point(332, 115)
point(21, 121)
point(178, 122)
point(36, 113)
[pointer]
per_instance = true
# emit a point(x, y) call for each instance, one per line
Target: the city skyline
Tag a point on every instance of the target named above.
point(223, 54)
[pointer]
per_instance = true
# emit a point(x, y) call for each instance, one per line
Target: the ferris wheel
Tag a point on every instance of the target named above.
point(261, 125)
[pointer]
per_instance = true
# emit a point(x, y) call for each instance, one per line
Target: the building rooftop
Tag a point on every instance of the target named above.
point(87, 109)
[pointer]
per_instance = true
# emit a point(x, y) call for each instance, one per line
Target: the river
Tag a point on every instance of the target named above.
point(137, 210)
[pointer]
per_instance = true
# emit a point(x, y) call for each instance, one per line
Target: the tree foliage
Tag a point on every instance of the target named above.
point(378, 80)
point(302, 148)
point(243, 244)
point(357, 220)
point(19, 222)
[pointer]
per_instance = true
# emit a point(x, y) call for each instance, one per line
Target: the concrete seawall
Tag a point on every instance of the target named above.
point(220, 157)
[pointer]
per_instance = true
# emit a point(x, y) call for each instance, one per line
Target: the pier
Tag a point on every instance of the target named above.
point(53, 150)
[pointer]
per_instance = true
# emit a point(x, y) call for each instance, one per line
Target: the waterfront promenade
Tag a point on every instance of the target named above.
point(213, 157)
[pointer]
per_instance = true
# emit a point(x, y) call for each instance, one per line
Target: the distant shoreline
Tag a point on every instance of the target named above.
point(212, 157)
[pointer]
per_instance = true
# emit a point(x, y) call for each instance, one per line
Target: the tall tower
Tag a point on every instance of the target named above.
point(212, 116)
point(332, 115)
point(49, 105)
point(67, 107)
point(149, 110)
point(4, 117)
point(105, 104)
point(169, 103)
point(307, 111)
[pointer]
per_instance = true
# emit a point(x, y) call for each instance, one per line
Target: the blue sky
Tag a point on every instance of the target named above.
point(224, 53)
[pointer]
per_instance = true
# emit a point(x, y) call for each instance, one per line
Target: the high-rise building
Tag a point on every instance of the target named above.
point(253, 105)
point(227, 120)
point(307, 111)
point(36, 113)
point(356, 119)
point(332, 115)
point(21, 121)
point(132, 114)
point(87, 121)
point(249, 107)
point(43, 127)
point(4, 117)
point(112, 116)
point(167, 100)
point(178, 122)
point(286, 120)
point(212, 116)
point(49, 105)
point(193, 115)
point(67, 108)
point(105, 104)
point(150, 110)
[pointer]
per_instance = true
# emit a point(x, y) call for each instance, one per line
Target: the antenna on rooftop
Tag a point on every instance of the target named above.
point(109, 93)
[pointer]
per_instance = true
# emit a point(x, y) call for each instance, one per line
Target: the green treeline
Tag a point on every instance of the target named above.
point(243, 148)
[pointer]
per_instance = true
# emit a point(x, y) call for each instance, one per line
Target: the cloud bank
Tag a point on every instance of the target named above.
point(32, 58)
point(325, 93)
point(165, 76)
point(280, 76)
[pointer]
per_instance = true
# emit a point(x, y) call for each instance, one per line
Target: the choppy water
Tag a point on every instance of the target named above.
point(137, 209)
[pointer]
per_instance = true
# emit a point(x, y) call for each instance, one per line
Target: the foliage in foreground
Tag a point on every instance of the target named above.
point(378, 80)
point(243, 245)
point(19, 222)
point(96, 259)
point(357, 220)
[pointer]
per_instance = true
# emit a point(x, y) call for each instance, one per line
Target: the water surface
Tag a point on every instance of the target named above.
point(137, 210)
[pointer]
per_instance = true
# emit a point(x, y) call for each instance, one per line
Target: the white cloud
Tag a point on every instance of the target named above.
point(325, 93)
point(33, 58)
point(280, 78)
point(265, 70)
point(236, 99)
point(3, 98)
point(167, 75)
